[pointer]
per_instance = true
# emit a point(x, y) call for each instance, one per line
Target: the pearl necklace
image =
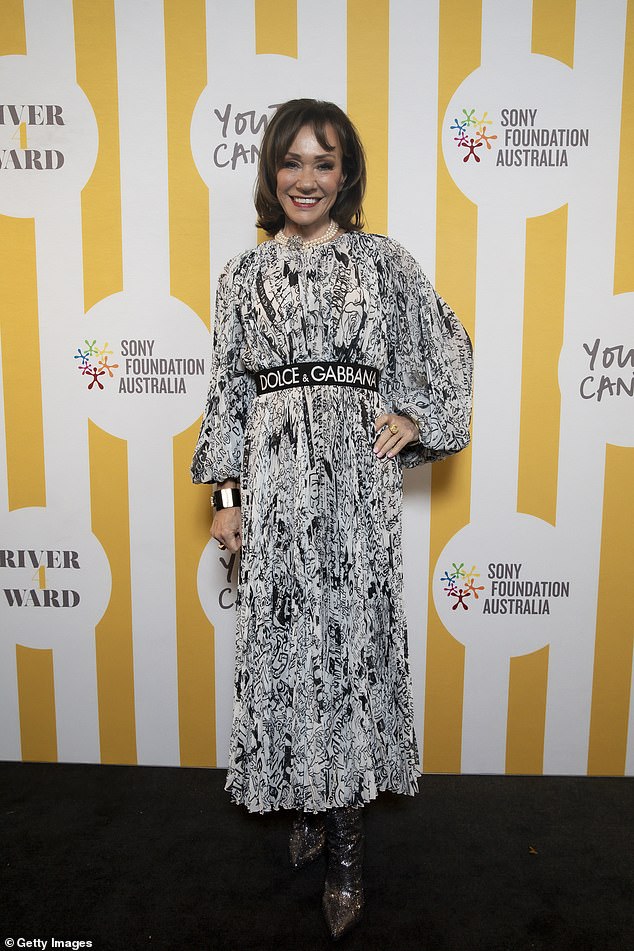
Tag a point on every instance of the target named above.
point(296, 243)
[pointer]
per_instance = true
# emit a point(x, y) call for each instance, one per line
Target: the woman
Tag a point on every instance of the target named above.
point(334, 365)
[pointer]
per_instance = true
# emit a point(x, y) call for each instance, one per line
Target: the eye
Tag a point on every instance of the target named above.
point(325, 167)
point(290, 163)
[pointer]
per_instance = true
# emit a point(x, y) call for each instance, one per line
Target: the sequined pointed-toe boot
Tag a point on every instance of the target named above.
point(343, 891)
point(307, 839)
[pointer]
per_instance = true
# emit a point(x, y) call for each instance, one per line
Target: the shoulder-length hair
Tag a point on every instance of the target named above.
point(289, 118)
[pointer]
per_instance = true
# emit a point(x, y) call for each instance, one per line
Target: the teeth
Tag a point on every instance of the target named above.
point(306, 201)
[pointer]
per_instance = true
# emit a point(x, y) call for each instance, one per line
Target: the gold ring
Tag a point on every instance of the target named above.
point(393, 429)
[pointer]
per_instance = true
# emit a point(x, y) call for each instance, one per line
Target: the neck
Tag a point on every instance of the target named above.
point(293, 231)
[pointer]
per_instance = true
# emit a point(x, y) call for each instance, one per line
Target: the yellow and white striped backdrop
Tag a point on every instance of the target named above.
point(500, 136)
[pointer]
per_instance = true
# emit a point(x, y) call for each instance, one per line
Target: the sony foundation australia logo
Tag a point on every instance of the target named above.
point(518, 138)
point(40, 595)
point(503, 590)
point(139, 367)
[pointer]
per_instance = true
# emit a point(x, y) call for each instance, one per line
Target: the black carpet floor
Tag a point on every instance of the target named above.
point(142, 857)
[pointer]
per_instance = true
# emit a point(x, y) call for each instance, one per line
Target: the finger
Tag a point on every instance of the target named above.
point(391, 419)
point(382, 420)
point(394, 450)
point(385, 441)
point(387, 438)
point(382, 425)
point(388, 442)
point(234, 543)
point(230, 539)
point(218, 537)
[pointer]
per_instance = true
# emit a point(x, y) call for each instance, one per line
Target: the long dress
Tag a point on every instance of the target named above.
point(323, 712)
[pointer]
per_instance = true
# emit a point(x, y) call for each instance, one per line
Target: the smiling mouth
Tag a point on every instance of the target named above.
point(304, 202)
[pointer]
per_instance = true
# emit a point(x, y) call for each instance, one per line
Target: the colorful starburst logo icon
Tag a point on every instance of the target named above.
point(461, 584)
point(472, 134)
point(94, 364)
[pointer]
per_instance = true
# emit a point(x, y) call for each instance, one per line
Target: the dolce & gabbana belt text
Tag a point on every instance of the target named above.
point(316, 374)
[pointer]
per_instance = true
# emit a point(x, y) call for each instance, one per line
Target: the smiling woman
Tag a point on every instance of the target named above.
point(309, 182)
point(335, 364)
point(310, 151)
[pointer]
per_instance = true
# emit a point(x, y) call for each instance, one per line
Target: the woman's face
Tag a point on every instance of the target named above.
point(308, 182)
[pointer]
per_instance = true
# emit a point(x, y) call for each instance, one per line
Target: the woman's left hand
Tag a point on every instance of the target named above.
point(403, 432)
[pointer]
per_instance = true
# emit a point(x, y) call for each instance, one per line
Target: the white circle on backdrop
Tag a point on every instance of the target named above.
point(217, 585)
point(596, 371)
point(520, 548)
point(70, 598)
point(227, 161)
point(228, 123)
point(59, 132)
point(154, 346)
point(226, 132)
point(232, 111)
point(545, 88)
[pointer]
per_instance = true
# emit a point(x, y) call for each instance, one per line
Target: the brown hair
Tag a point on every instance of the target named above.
point(289, 118)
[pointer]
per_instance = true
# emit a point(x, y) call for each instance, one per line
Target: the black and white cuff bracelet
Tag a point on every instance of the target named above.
point(225, 499)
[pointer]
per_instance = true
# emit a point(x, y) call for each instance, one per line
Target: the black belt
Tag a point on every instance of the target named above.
point(316, 374)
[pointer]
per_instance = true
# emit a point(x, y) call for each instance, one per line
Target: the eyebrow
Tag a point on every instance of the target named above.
point(321, 155)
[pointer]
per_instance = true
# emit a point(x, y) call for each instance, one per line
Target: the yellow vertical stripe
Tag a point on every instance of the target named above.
point(456, 238)
point(624, 256)
point(188, 196)
point(36, 700)
point(276, 27)
point(24, 433)
point(526, 719)
point(615, 624)
point(95, 54)
point(23, 139)
point(95, 51)
point(113, 634)
point(41, 576)
point(544, 297)
point(19, 329)
point(196, 669)
point(554, 29)
point(12, 30)
point(368, 98)
point(186, 76)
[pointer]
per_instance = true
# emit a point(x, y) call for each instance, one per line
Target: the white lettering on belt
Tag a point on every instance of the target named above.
point(317, 373)
point(290, 375)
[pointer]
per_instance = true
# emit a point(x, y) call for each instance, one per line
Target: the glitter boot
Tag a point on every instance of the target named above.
point(343, 891)
point(307, 839)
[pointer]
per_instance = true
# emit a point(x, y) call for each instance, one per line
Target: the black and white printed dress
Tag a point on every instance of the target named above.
point(323, 701)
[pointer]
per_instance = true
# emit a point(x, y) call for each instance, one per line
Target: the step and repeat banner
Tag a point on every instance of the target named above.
point(500, 137)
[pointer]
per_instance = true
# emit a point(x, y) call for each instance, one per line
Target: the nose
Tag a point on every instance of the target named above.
point(306, 180)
